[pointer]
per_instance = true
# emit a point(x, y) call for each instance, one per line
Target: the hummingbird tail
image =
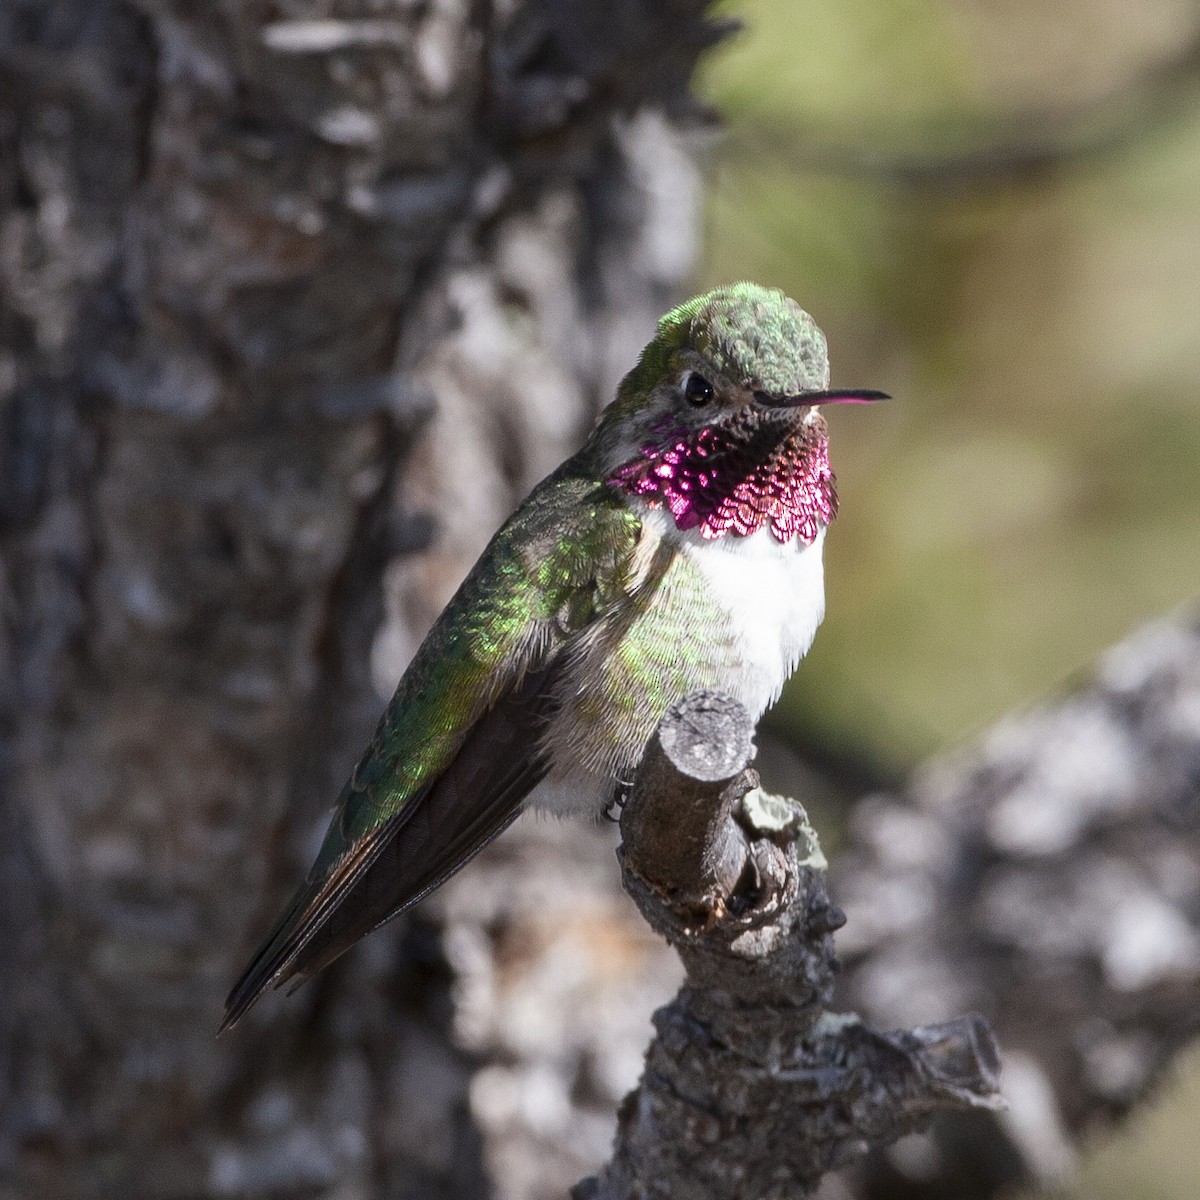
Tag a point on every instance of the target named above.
point(436, 832)
point(316, 930)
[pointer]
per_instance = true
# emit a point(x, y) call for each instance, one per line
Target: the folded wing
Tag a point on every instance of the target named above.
point(461, 743)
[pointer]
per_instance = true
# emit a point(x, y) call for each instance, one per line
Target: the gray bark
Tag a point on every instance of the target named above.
point(286, 295)
point(752, 1087)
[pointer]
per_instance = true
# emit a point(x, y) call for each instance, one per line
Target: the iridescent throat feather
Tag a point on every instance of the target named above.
point(737, 475)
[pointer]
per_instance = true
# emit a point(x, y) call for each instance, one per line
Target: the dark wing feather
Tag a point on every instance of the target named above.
point(433, 836)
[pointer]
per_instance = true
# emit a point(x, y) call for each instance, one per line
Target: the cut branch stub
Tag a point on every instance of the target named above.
point(722, 870)
point(684, 845)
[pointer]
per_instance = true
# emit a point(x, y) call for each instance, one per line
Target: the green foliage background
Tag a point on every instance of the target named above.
point(993, 210)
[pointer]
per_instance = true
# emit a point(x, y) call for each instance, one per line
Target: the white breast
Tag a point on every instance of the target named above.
point(773, 597)
point(773, 592)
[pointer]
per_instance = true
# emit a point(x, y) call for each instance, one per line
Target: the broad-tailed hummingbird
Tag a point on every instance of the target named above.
point(680, 548)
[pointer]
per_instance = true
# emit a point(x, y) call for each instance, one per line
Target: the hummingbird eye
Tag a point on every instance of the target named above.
point(697, 390)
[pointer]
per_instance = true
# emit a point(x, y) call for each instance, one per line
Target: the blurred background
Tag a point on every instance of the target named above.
point(994, 211)
point(298, 300)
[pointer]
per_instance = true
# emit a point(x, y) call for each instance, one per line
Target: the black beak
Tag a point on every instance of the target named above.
point(832, 396)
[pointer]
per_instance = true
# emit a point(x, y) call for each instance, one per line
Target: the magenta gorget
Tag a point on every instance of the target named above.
point(737, 475)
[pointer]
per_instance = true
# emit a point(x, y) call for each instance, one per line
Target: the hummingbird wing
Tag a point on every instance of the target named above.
point(459, 746)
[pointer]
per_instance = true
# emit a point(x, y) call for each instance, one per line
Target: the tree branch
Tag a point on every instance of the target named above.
point(751, 1087)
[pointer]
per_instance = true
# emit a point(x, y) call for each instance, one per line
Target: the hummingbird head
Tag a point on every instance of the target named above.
point(720, 420)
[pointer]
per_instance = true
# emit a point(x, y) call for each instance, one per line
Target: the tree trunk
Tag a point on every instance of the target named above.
point(287, 295)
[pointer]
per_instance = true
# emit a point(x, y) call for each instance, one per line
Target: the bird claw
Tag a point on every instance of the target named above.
point(615, 806)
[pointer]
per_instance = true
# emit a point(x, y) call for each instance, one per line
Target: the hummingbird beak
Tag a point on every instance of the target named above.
point(830, 396)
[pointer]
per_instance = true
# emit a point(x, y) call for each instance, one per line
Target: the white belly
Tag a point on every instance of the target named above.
point(774, 593)
point(772, 596)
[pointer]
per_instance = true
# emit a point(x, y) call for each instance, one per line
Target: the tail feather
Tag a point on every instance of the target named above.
point(436, 832)
point(310, 909)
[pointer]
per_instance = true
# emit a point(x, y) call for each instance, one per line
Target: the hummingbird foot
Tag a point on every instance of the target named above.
point(616, 802)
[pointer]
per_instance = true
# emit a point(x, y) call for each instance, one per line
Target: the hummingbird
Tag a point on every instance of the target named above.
point(679, 548)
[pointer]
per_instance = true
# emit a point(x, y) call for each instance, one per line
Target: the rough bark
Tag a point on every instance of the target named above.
point(285, 295)
point(1050, 877)
point(752, 1087)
